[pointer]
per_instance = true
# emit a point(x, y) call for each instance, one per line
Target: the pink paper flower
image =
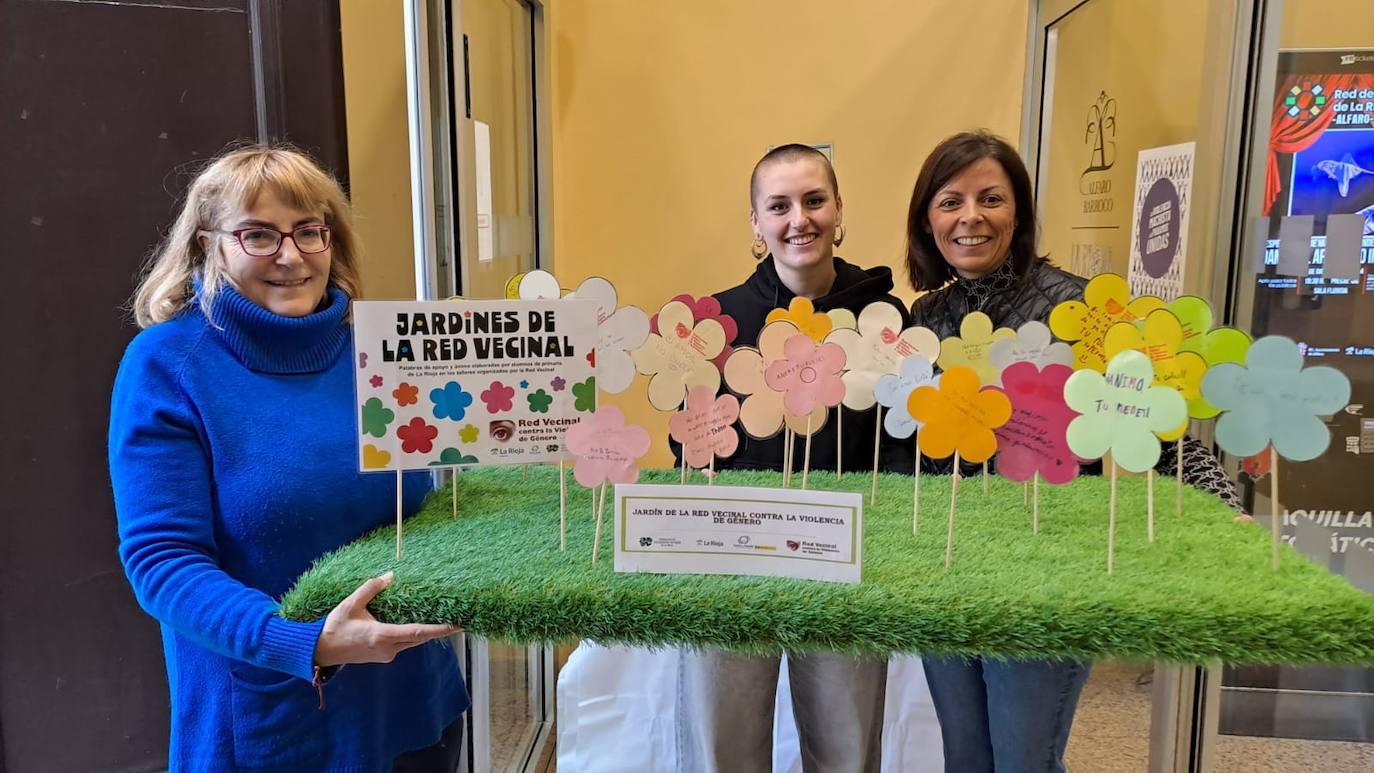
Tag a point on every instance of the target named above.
point(704, 426)
point(605, 448)
point(808, 375)
point(1034, 438)
point(707, 307)
point(498, 397)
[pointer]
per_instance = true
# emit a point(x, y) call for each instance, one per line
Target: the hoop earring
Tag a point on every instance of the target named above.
point(759, 249)
point(839, 234)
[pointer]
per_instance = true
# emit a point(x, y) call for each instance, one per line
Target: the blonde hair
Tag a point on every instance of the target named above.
point(231, 182)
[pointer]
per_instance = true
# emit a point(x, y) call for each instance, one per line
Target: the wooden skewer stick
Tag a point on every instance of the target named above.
point(877, 435)
point(1035, 507)
point(600, 508)
point(711, 476)
point(562, 506)
point(788, 441)
point(398, 514)
point(916, 493)
point(806, 455)
point(985, 478)
point(1111, 524)
point(839, 442)
point(1150, 503)
point(454, 491)
point(953, 496)
point(1178, 477)
point(1274, 525)
point(1025, 494)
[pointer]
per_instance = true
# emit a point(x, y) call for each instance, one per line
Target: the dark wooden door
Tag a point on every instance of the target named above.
point(104, 110)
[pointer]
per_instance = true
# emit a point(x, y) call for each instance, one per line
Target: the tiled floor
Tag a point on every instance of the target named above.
point(1111, 734)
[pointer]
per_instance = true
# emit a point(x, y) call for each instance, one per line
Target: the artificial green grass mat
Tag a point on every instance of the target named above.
point(1202, 592)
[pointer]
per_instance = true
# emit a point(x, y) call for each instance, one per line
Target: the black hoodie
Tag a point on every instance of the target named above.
point(854, 288)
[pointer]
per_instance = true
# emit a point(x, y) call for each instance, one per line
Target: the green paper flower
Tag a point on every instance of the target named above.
point(1122, 412)
point(584, 395)
point(539, 401)
point(376, 417)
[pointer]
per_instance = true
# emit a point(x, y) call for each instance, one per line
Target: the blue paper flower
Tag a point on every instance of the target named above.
point(891, 391)
point(1274, 399)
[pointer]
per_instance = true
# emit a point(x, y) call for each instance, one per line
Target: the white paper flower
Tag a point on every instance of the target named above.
point(536, 285)
point(618, 332)
point(878, 347)
point(1033, 343)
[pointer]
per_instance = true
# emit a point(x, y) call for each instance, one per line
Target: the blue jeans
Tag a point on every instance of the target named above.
point(1005, 716)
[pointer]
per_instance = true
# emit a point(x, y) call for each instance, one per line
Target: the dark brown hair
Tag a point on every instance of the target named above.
point(791, 152)
point(926, 268)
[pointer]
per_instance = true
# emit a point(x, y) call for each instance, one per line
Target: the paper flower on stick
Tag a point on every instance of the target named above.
point(893, 389)
point(1272, 398)
point(808, 375)
point(804, 317)
point(1122, 411)
point(762, 413)
point(1032, 343)
point(1035, 439)
point(877, 347)
point(1106, 301)
point(959, 414)
point(618, 332)
point(1159, 338)
point(679, 356)
point(1219, 345)
point(842, 319)
point(704, 426)
point(537, 285)
point(605, 448)
point(971, 347)
point(705, 308)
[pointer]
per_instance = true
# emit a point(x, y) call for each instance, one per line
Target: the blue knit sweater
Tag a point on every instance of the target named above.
point(232, 453)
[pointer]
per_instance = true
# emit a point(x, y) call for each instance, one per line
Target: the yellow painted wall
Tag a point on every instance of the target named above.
point(1113, 47)
point(1327, 24)
point(378, 143)
point(660, 110)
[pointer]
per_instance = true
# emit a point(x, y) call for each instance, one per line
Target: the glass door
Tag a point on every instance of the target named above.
point(472, 80)
point(1103, 93)
point(1303, 270)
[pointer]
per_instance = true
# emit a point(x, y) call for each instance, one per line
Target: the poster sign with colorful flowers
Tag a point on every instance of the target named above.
point(447, 383)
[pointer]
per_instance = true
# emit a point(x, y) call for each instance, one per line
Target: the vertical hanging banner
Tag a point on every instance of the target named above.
point(446, 383)
point(1159, 220)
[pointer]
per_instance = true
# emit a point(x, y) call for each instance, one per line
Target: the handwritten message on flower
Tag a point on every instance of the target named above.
point(1122, 411)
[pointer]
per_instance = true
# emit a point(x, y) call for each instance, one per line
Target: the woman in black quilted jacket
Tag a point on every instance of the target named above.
point(971, 245)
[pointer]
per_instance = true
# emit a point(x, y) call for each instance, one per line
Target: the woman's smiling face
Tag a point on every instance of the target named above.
point(795, 212)
point(973, 219)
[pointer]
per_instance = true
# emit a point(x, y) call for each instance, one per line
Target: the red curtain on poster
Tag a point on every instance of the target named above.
point(1292, 133)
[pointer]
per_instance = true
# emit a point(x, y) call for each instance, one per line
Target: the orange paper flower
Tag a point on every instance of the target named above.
point(959, 414)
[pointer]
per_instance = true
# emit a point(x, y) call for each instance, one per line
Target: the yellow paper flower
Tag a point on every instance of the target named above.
point(761, 412)
point(1106, 301)
point(679, 355)
point(970, 348)
point(804, 317)
point(1161, 338)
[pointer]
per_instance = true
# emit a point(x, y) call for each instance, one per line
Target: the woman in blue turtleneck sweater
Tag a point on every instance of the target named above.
point(233, 462)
